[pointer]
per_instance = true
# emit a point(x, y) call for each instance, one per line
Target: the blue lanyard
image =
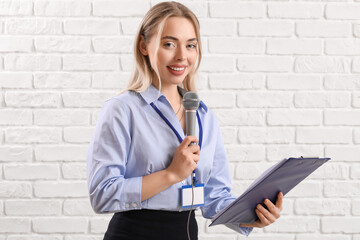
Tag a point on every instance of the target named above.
point(174, 130)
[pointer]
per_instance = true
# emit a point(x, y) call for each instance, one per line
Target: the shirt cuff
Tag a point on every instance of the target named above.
point(131, 199)
point(236, 227)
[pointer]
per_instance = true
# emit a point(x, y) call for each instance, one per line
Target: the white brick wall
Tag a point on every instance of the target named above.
point(283, 77)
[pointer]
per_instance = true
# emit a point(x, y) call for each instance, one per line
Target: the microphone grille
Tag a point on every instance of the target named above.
point(191, 101)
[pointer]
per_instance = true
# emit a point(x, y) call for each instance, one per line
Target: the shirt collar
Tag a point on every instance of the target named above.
point(152, 93)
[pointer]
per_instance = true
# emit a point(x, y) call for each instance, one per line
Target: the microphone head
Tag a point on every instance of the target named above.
point(191, 101)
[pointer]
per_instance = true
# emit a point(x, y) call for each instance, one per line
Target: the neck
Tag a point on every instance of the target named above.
point(170, 91)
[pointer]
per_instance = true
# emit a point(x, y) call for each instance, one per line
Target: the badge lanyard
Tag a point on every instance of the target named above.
point(176, 132)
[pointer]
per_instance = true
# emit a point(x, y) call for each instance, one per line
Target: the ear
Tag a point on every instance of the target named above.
point(143, 47)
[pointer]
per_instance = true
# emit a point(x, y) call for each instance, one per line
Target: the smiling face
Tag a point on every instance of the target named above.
point(177, 52)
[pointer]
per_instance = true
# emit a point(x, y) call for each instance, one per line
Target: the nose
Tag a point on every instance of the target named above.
point(180, 54)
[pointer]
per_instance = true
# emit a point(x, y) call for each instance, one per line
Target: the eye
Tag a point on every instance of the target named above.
point(169, 45)
point(191, 45)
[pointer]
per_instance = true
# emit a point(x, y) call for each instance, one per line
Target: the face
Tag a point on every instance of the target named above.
point(177, 52)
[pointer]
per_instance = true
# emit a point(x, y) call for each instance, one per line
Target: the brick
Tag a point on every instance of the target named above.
point(266, 135)
point(251, 171)
point(228, 135)
point(272, 28)
point(212, 99)
point(342, 47)
point(356, 207)
point(1, 209)
point(74, 171)
point(76, 207)
point(15, 154)
point(32, 207)
point(240, 117)
point(322, 65)
point(83, 237)
point(343, 153)
point(357, 135)
point(342, 118)
point(68, 8)
point(99, 225)
point(342, 11)
point(91, 27)
point(32, 99)
point(61, 153)
point(323, 207)
point(236, 81)
point(217, 27)
point(245, 153)
point(110, 80)
point(15, 117)
point(355, 171)
point(127, 62)
point(322, 237)
point(15, 190)
point(15, 80)
point(62, 44)
point(61, 117)
point(63, 80)
point(90, 62)
point(60, 189)
point(322, 99)
point(340, 224)
point(15, 44)
point(235, 9)
point(294, 46)
point(95, 116)
point(265, 64)
point(130, 26)
point(342, 82)
point(15, 225)
point(211, 64)
point(323, 29)
point(295, 10)
point(113, 44)
point(1, 134)
point(125, 8)
point(356, 65)
point(236, 45)
point(31, 172)
point(13, 8)
point(331, 171)
point(78, 134)
point(32, 135)
point(294, 225)
point(32, 237)
point(357, 30)
point(32, 62)
point(356, 99)
point(342, 189)
point(33, 26)
point(60, 225)
point(311, 135)
point(294, 117)
point(86, 99)
point(294, 82)
point(306, 188)
point(264, 99)
point(279, 152)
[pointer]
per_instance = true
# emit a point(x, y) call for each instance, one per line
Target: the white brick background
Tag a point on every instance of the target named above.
point(283, 78)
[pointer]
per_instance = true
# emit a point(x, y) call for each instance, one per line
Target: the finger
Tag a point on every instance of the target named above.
point(262, 218)
point(269, 217)
point(279, 200)
point(187, 140)
point(195, 149)
point(272, 208)
point(196, 158)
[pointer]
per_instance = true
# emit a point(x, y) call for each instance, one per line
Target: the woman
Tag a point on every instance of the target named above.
point(136, 164)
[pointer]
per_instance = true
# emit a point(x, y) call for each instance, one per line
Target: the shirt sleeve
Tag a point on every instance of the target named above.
point(109, 190)
point(217, 189)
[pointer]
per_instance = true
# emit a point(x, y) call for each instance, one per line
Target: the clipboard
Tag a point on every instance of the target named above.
point(282, 177)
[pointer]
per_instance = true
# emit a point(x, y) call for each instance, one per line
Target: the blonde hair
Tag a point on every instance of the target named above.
point(144, 74)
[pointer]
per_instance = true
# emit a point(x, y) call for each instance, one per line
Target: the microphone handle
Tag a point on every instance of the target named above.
point(190, 119)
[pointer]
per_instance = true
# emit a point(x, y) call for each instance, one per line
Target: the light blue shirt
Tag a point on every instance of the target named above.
point(131, 140)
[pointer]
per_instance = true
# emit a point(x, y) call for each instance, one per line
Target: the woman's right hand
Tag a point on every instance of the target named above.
point(185, 159)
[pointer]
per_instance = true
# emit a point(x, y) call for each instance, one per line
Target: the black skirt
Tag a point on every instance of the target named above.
point(151, 224)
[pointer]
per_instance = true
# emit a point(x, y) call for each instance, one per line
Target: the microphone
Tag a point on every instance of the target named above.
point(191, 103)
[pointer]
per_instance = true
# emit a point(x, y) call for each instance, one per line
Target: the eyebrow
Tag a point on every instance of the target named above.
point(175, 39)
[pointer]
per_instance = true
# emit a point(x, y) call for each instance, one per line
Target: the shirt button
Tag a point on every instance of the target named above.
point(127, 205)
point(183, 182)
point(134, 205)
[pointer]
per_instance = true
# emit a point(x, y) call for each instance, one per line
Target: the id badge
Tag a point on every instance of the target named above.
point(186, 196)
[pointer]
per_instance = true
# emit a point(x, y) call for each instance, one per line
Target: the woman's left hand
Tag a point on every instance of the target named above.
point(267, 217)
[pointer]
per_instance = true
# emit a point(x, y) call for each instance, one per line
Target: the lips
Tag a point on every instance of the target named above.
point(176, 69)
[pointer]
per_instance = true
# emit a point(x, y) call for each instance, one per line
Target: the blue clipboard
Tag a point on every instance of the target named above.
point(282, 177)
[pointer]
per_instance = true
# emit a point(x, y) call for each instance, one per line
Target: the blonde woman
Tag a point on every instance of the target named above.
point(139, 158)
